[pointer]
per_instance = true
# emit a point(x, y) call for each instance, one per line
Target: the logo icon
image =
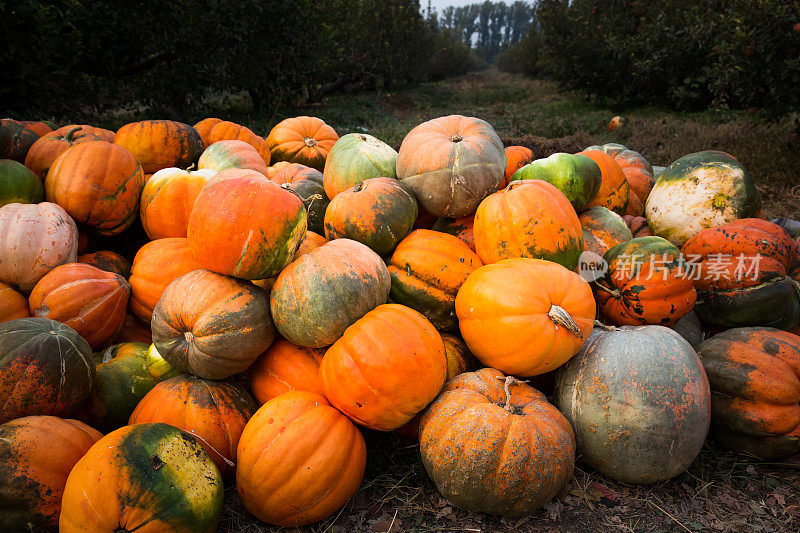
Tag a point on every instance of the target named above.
point(591, 266)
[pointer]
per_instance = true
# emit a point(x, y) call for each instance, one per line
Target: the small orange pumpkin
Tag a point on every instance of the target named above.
point(12, 304)
point(167, 201)
point(286, 367)
point(304, 140)
point(516, 158)
point(226, 130)
point(614, 192)
point(204, 127)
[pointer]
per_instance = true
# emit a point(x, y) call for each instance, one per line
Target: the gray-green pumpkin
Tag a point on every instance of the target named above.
point(18, 184)
point(354, 158)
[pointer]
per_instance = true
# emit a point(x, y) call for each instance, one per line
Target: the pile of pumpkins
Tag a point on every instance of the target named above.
point(300, 287)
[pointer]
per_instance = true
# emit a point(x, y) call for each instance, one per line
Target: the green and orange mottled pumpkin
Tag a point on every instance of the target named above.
point(305, 182)
point(158, 144)
point(460, 227)
point(354, 158)
point(18, 184)
point(227, 154)
point(603, 229)
point(614, 192)
point(108, 261)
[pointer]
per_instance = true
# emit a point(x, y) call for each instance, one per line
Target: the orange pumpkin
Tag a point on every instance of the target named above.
point(285, 367)
point(460, 227)
point(226, 130)
point(12, 304)
point(224, 155)
point(167, 201)
point(99, 184)
point(387, 367)
point(41, 155)
point(614, 192)
point(299, 460)
point(108, 261)
point(525, 316)
point(529, 218)
point(204, 127)
point(158, 144)
point(603, 229)
point(91, 301)
point(37, 454)
point(38, 127)
point(304, 140)
point(273, 169)
point(516, 158)
point(155, 266)
point(215, 412)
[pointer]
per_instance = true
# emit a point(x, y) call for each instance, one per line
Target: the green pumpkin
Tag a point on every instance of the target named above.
point(577, 176)
point(774, 304)
point(699, 191)
point(125, 374)
point(18, 184)
point(312, 193)
point(354, 158)
point(15, 140)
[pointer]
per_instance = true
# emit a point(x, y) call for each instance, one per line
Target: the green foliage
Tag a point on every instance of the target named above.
point(686, 53)
point(488, 27)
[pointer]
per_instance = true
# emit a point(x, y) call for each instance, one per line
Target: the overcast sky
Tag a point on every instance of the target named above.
point(440, 4)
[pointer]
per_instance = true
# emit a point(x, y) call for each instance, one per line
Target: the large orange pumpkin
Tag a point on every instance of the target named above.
point(451, 164)
point(529, 218)
point(304, 140)
point(99, 184)
point(226, 154)
point(12, 304)
point(158, 144)
point(226, 130)
point(614, 192)
point(299, 460)
point(37, 454)
point(44, 151)
point(525, 316)
point(285, 367)
point(246, 226)
point(167, 201)
point(211, 325)
point(91, 301)
point(516, 158)
point(215, 412)
point(387, 367)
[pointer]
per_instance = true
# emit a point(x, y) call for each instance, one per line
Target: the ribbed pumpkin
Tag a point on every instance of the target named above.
point(305, 182)
point(99, 184)
point(148, 478)
point(603, 229)
point(157, 264)
point(37, 454)
point(91, 301)
point(614, 192)
point(354, 158)
point(576, 175)
point(36, 239)
point(387, 367)
point(45, 368)
point(516, 158)
point(224, 155)
point(460, 227)
point(124, 374)
point(18, 185)
point(511, 453)
point(167, 201)
point(304, 140)
point(451, 163)
point(320, 294)
point(427, 269)
point(203, 128)
point(755, 390)
point(525, 316)
point(158, 144)
point(44, 151)
point(215, 412)
point(108, 261)
point(299, 460)
point(211, 325)
point(285, 367)
point(639, 402)
point(529, 218)
point(225, 130)
point(12, 304)
point(646, 282)
point(246, 226)
point(378, 212)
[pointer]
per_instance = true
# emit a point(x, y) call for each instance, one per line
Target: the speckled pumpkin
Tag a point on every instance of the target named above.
point(603, 229)
point(158, 144)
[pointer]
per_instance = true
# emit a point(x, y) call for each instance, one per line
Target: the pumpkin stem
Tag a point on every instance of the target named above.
point(71, 132)
point(559, 316)
point(190, 167)
point(600, 325)
point(507, 382)
point(359, 186)
point(310, 142)
point(456, 138)
point(615, 293)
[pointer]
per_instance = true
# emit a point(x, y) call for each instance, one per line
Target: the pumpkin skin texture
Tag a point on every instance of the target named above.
point(304, 140)
point(227, 131)
point(305, 182)
point(451, 163)
point(460, 227)
point(36, 456)
point(158, 144)
point(210, 325)
point(135, 331)
point(148, 478)
point(224, 155)
point(516, 158)
point(299, 460)
point(99, 184)
point(755, 390)
point(700, 191)
point(36, 239)
point(614, 192)
point(157, 264)
point(639, 402)
point(529, 218)
point(387, 367)
point(125, 373)
point(230, 212)
point(577, 176)
point(492, 444)
point(18, 185)
point(354, 158)
point(637, 225)
point(317, 297)
point(203, 128)
point(12, 304)
point(646, 283)
point(19, 140)
point(286, 367)
point(427, 269)
point(167, 201)
point(91, 301)
point(213, 411)
point(638, 172)
point(44, 151)
point(39, 127)
point(690, 328)
point(108, 261)
point(603, 229)
point(377, 212)
point(525, 316)
point(45, 368)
